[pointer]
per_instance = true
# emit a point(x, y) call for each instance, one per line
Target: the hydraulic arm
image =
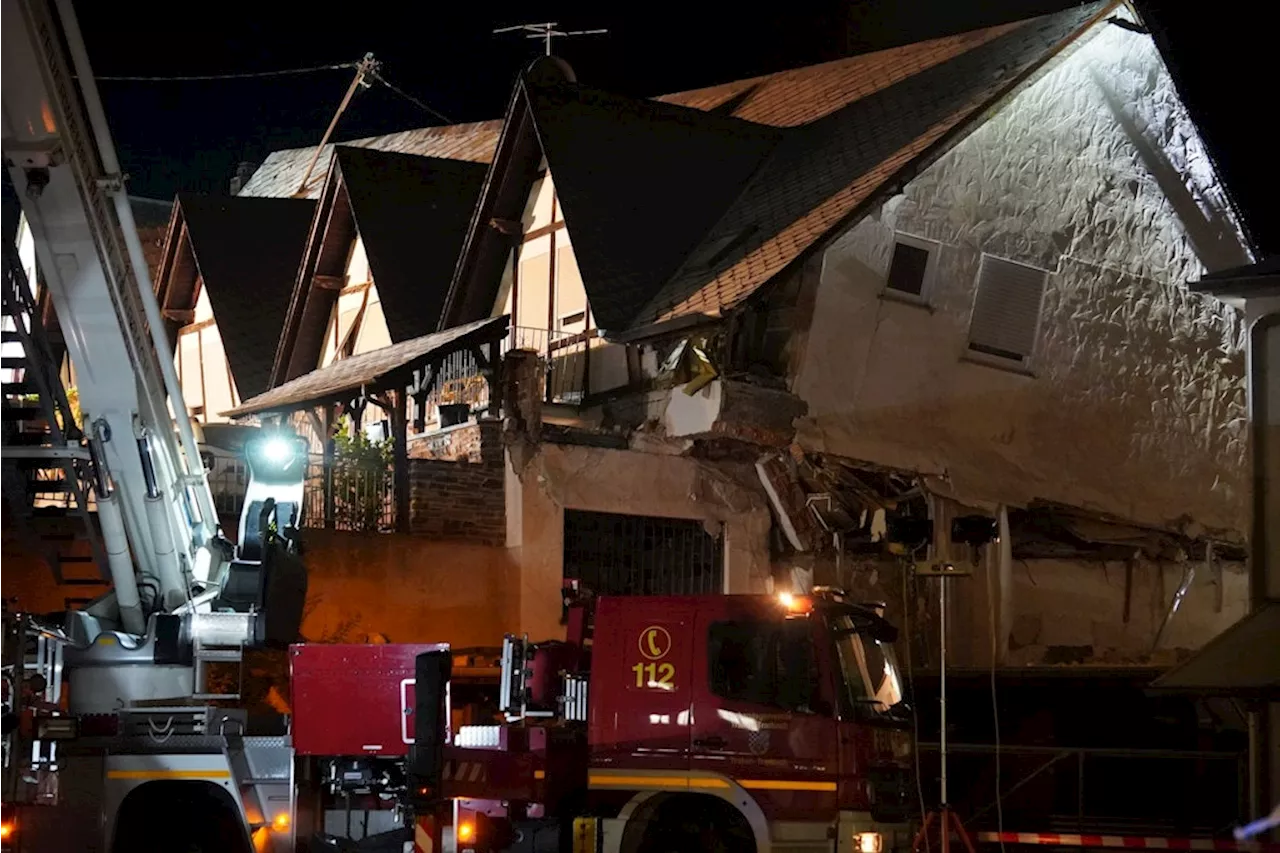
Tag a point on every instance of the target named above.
point(154, 500)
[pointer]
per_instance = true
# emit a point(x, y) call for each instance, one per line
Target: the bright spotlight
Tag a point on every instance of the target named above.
point(276, 450)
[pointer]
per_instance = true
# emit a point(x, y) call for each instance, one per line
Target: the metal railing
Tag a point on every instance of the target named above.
point(349, 496)
point(565, 354)
point(1098, 790)
point(461, 380)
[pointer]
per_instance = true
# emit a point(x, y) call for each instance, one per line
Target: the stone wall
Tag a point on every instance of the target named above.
point(1133, 401)
point(456, 484)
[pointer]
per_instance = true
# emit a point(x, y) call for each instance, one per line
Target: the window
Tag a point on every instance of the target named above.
point(910, 266)
point(614, 554)
point(1006, 309)
point(766, 663)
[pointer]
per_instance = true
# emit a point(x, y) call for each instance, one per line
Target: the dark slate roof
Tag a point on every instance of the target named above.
point(247, 251)
point(640, 182)
point(800, 95)
point(412, 214)
point(685, 212)
point(282, 171)
point(822, 174)
point(150, 212)
point(370, 372)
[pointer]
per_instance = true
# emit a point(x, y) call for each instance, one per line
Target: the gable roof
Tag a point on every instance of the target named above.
point(823, 173)
point(411, 214)
point(246, 252)
point(846, 132)
point(281, 172)
point(629, 236)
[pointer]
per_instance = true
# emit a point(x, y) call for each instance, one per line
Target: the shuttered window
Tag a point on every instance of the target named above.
point(1006, 310)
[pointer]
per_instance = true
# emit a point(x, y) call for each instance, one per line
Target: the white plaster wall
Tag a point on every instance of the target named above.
point(1081, 604)
point(1136, 405)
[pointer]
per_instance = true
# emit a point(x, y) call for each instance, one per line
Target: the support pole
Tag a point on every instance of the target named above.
point(400, 458)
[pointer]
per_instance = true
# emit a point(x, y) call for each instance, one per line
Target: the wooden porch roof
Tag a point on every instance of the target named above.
point(391, 367)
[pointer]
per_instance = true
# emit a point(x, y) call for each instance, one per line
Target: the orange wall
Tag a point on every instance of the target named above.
point(408, 589)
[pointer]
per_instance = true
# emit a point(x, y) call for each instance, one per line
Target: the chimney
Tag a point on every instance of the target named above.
point(244, 171)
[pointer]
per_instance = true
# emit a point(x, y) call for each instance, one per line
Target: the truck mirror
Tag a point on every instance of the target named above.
point(883, 631)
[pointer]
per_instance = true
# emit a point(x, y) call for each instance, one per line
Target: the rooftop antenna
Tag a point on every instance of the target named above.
point(546, 31)
point(365, 68)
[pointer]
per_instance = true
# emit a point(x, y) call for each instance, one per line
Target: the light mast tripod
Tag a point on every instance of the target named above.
point(945, 819)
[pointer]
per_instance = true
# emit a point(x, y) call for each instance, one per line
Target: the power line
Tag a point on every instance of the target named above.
point(377, 75)
point(247, 75)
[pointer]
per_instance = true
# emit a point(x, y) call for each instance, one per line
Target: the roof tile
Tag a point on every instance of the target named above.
point(281, 173)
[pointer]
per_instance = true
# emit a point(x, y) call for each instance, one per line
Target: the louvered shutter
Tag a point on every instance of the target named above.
point(1006, 310)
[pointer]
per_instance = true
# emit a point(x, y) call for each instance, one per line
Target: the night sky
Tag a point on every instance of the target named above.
point(189, 135)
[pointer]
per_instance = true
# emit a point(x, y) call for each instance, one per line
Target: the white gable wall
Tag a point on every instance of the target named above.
point(1132, 401)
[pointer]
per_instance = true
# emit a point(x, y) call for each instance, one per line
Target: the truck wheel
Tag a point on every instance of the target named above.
point(697, 824)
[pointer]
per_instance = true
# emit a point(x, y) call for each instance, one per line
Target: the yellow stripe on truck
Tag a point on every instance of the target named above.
point(785, 785)
point(681, 781)
point(168, 774)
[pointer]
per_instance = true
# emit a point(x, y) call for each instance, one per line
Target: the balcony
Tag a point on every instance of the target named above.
point(462, 389)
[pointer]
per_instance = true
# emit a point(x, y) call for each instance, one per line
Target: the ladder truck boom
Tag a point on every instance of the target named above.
point(92, 705)
point(60, 157)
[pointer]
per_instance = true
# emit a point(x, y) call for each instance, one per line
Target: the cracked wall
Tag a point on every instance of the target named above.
point(1135, 404)
point(552, 478)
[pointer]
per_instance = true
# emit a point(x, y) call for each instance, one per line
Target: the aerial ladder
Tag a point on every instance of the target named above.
point(110, 706)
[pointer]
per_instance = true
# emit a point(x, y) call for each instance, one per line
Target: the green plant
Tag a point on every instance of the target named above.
point(362, 479)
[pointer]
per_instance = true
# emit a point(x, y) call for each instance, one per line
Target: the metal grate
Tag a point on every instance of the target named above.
point(614, 554)
point(1006, 310)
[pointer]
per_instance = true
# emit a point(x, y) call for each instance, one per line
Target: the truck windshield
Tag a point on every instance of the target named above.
point(868, 667)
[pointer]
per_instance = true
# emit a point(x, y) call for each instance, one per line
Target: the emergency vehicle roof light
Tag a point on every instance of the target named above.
point(795, 603)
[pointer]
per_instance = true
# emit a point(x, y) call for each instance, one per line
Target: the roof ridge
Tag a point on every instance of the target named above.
point(354, 143)
point(831, 63)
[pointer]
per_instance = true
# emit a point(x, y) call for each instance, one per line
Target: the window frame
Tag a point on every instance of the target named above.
point(933, 248)
point(1024, 363)
point(768, 629)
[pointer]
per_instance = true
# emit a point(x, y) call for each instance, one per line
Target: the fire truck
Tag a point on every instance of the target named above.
point(676, 723)
point(657, 724)
point(116, 733)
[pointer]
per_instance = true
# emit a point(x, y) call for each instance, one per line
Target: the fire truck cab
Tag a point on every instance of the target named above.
point(747, 720)
point(736, 723)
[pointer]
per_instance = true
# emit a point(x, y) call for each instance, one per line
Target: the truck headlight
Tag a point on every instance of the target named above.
point(869, 842)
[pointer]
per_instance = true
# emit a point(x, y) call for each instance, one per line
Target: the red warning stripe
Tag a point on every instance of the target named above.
point(1130, 842)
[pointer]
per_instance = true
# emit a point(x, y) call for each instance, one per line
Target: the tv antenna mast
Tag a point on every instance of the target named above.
point(546, 31)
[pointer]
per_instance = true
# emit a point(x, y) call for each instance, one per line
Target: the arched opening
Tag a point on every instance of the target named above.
point(688, 823)
point(180, 817)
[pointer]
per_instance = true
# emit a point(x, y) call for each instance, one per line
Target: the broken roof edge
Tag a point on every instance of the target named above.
point(909, 171)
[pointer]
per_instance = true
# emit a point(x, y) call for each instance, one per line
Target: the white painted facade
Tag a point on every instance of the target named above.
point(208, 388)
point(356, 324)
point(1131, 400)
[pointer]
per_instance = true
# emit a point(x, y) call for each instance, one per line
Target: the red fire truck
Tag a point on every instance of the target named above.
point(733, 723)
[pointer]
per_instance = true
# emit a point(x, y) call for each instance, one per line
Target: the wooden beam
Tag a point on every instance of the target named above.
point(328, 282)
point(400, 459)
point(510, 227)
point(179, 315)
point(530, 236)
